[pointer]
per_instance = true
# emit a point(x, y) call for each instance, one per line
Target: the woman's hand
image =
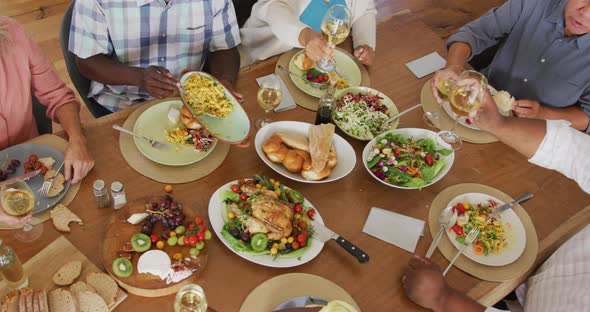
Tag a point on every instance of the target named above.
point(316, 47)
point(77, 161)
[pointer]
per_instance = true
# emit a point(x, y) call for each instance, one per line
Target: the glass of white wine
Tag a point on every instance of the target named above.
point(466, 95)
point(443, 89)
point(335, 28)
point(18, 200)
point(269, 97)
point(190, 298)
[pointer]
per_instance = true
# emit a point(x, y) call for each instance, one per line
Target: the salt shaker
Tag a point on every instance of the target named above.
point(118, 193)
point(101, 195)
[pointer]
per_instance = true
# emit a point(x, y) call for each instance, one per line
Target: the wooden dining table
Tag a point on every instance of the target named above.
point(558, 209)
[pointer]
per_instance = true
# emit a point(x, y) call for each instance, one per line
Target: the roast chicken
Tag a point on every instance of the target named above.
point(269, 215)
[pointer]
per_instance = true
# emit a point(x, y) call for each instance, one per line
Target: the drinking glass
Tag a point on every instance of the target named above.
point(269, 97)
point(335, 28)
point(18, 200)
point(190, 298)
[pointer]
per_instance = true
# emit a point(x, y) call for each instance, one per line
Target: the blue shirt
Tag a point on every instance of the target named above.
point(176, 35)
point(537, 61)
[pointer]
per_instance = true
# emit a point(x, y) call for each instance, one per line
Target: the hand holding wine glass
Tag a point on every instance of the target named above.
point(18, 200)
point(269, 97)
point(335, 28)
point(443, 81)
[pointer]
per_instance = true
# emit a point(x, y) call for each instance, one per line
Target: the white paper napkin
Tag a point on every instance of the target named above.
point(287, 101)
point(394, 228)
point(427, 65)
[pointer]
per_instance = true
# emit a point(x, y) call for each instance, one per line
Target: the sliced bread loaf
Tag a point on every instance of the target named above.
point(41, 299)
point(91, 302)
point(62, 217)
point(81, 286)
point(58, 183)
point(68, 273)
point(105, 286)
point(62, 300)
point(10, 302)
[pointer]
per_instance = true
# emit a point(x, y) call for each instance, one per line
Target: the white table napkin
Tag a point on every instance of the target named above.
point(394, 228)
point(427, 65)
point(287, 101)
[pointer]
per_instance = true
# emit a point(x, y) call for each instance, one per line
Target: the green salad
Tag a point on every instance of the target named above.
point(406, 162)
point(262, 217)
point(360, 115)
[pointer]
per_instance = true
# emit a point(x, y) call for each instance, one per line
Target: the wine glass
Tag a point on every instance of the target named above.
point(335, 28)
point(17, 199)
point(269, 97)
point(190, 298)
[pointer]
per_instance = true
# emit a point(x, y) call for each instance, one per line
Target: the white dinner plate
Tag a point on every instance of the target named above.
point(513, 229)
point(416, 134)
point(218, 217)
point(344, 152)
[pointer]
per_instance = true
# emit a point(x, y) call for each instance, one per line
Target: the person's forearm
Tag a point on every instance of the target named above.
point(455, 301)
point(106, 70)
point(576, 116)
point(458, 54)
point(69, 117)
point(523, 135)
point(225, 64)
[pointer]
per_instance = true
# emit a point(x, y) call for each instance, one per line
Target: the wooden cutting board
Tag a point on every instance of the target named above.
point(42, 266)
point(119, 231)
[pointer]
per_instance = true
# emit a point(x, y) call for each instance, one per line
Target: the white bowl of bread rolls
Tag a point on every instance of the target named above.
point(305, 153)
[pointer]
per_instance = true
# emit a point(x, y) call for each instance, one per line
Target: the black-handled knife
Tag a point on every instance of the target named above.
point(324, 234)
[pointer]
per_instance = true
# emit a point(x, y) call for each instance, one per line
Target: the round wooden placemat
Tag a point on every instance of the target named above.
point(445, 122)
point(301, 98)
point(488, 273)
point(279, 289)
point(60, 145)
point(163, 173)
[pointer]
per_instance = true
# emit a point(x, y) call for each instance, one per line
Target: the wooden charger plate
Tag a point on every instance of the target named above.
point(41, 267)
point(120, 231)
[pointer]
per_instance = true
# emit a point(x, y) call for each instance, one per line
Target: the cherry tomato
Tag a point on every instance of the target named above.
point(202, 228)
point(243, 196)
point(303, 225)
point(302, 244)
point(43, 170)
point(191, 227)
point(429, 160)
point(302, 237)
point(154, 238)
point(326, 77)
point(33, 158)
point(310, 213)
point(38, 165)
point(241, 181)
point(459, 208)
point(186, 240)
point(28, 166)
point(28, 170)
point(458, 230)
point(235, 188)
point(199, 220)
point(193, 240)
point(397, 152)
point(298, 208)
point(201, 236)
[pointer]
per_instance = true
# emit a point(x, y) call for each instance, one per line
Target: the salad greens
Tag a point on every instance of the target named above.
point(360, 115)
point(406, 162)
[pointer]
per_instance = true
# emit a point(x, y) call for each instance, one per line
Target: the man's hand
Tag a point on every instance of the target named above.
point(157, 82)
point(77, 160)
point(448, 73)
point(316, 47)
point(529, 109)
point(365, 54)
point(487, 117)
point(424, 283)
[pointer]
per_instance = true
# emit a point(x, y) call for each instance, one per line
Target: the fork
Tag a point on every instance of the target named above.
point(44, 190)
point(468, 241)
point(155, 144)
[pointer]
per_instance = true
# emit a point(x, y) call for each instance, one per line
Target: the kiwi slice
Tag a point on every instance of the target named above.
point(141, 242)
point(259, 242)
point(122, 267)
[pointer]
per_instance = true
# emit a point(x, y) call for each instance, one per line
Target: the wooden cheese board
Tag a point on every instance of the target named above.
point(119, 231)
point(41, 267)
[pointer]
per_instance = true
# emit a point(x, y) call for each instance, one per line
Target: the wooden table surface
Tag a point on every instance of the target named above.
point(344, 204)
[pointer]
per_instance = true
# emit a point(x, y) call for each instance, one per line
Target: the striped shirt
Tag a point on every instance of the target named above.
point(176, 35)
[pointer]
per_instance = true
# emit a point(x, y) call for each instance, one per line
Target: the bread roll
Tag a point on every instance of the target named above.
point(303, 62)
point(332, 159)
point(294, 140)
point(311, 175)
point(504, 102)
point(306, 159)
point(188, 119)
point(293, 161)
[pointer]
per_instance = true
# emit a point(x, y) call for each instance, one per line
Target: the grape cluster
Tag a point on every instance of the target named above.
point(11, 166)
point(167, 211)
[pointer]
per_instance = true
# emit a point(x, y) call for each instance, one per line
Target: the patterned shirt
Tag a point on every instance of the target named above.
point(536, 61)
point(176, 35)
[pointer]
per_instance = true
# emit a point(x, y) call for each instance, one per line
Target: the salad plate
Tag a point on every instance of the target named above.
point(223, 215)
point(360, 112)
point(153, 123)
point(409, 158)
point(501, 242)
point(346, 65)
point(345, 154)
point(234, 126)
point(23, 153)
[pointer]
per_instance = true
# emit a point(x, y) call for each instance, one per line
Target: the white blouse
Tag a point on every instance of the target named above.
point(274, 27)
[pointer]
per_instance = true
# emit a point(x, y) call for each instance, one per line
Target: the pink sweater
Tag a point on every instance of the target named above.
point(24, 71)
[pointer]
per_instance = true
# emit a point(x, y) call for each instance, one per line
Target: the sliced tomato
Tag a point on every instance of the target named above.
point(235, 188)
point(28, 166)
point(458, 230)
point(429, 160)
point(33, 158)
point(43, 170)
point(243, 196)
point(459, 208)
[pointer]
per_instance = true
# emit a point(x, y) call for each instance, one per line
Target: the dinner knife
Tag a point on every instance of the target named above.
point(323, 234)
point(23, 177)
point(507, 206)
point(301, 302)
